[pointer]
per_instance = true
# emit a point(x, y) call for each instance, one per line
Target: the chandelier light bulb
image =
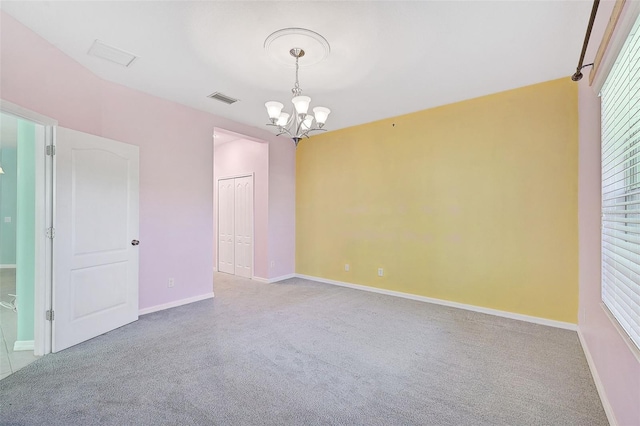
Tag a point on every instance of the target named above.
point(307, 122)
point(302, 104)
point(274, 109)
point(283, 119)
point(321, 114)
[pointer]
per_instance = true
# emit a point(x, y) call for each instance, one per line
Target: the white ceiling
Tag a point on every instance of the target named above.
point(387, 58)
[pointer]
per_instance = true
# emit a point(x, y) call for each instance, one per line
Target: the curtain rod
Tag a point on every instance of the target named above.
point(578, 75)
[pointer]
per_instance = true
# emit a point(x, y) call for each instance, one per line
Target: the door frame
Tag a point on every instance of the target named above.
point(45, 203)
point(253, 220)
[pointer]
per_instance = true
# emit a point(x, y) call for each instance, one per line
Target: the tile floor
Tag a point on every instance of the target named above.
point(10, 361)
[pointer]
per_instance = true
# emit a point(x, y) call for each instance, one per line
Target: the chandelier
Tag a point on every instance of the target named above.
point(299, 123)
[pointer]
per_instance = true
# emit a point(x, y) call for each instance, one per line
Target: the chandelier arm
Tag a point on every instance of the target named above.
point(281, 130)
point(299, 127)
point(295, 122)
point(290, 120)
point(316, 129)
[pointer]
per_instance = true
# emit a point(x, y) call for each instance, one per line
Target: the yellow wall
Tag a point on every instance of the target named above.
point(473, 202)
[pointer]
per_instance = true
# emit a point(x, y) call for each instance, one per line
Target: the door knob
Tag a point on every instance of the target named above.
point(135, 242)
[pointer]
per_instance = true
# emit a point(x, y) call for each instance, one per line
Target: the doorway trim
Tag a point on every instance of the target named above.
point(45, 203)
point(253, 220)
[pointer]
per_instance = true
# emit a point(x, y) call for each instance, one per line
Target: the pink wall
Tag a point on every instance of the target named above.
point(616, 367)
point(36, 75)
point(246, 157)
point(175, 190)
point(176, 149)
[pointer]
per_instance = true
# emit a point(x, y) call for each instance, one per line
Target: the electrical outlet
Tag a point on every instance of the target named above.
point(380, 272)
point(273, 264)
point(7, 219)
point(171, 282)
point(346, 267)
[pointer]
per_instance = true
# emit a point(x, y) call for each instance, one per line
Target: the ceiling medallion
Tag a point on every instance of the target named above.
point(315, 46)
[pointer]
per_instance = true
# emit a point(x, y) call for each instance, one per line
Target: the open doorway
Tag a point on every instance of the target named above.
point(22, 207)
point(241, 204)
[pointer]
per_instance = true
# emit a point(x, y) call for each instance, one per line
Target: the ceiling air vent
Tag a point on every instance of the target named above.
point(222, 98)
point(113, 54)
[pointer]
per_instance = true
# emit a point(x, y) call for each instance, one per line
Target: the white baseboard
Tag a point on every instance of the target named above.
point(596, 378)
point(175, 303)
point(23, 345)
point(496, 312)
point(281, 278)
point(8, 266)
point(274, 279)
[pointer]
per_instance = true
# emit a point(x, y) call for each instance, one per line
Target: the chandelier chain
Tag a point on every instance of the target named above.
point(296, 88)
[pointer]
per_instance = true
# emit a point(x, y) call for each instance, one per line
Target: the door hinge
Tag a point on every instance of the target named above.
point(50, 315)
point(51, 150)
point(51, 233)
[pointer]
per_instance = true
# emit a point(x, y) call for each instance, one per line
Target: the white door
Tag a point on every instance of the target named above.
point(95, 248)
point(235, 226)
point(225, 226)
point(244, 226)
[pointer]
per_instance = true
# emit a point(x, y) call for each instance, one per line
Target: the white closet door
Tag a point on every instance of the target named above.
point(226, 226)
point(244, 226)
point(95, 246)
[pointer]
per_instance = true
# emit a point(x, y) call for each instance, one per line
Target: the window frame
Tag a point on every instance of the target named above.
point(628, 175)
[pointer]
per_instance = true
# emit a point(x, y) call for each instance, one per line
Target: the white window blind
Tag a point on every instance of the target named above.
point(621, 187)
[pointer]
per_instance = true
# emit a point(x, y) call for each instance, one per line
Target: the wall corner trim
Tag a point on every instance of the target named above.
point(23, 345)
point(596, 378)
point(175, 303)
point(496, 312)
point(25, 113)
point(274, 279)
